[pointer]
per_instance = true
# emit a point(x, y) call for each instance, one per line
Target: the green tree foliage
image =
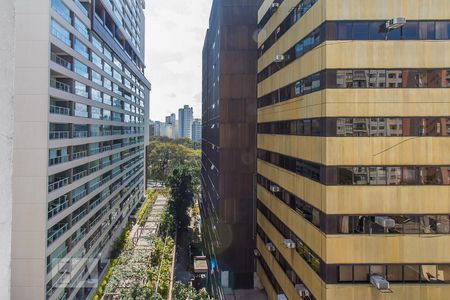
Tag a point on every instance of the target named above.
point(184, 184)
point(165, 155)
point(186, 292)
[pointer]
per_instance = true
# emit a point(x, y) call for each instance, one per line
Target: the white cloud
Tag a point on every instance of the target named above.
point(175, 33)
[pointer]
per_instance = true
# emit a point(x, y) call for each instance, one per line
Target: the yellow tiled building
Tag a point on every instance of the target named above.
point(353, 149)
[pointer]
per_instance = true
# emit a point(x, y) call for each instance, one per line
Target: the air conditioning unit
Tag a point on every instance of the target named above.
point(256, 252)
point(282, 297)
point(270, 247)
point(274, 188)
point(385, 222)
point(290, 244)
point(302, 290)
point(278, 58)
point(379, 282)
point(274, 6)
point(395, 23)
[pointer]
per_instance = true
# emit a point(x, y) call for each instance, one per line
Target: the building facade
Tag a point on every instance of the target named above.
point(229, 144)
point(81, 126)
point(353, 168)
point(197, 130)
point(185, 119)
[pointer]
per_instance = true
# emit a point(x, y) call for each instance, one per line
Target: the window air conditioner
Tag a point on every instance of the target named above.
point(278, 58)
point(274, 6)
point(302, 290)
point(270, 247)
point(385, 222)
point(290, 244)
point(395, 23)
point(379, 282)
point(256, 252)
point(282, 297)
point(274, 188)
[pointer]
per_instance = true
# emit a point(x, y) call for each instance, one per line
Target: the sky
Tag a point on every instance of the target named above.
point(175, 31)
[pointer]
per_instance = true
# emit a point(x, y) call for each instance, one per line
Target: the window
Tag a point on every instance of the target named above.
point(107, 68)
point(80, 68)
point(360, 31)
point(117, 75)
point(81, 89)
point(81, 110)
point(61, 33)
point(107, 52)
point(442, 30)
point(81, 48)
point(107, 84)
point(96, 95)
point(106, 114)
point(96, 77)
point(97, 42)
point(427, 31)
point(96, 60)
point(62, 10)
point(96, 113)
point(107, 99)
point(81, 28)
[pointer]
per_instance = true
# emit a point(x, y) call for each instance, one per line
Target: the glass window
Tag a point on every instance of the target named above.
point(377, 31)
point(443, 273)
point(96, 77)
point(96, 113)
point(107, 84)
point(81, 48)
point(81, 28)
point(360, 31)
point(96, 60)
point(97, 42)
point(117, 62)
point(62, 10)
point(96, 95)
point(428, 273)
point(410, 31)
point(106, 114)
point(427, 31)
point(394, 273)
point(81, 89)
point(80, 68)
point(443, 30)
point(344, 30)
point(107, 52)
point(411, 273)
point(361, 273)
point(107, 68)
point(117, 75)
point(61, 33)
point(107, 99)
point(81, 110)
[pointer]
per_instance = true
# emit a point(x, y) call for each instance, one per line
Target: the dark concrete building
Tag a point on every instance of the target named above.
point(229, 144)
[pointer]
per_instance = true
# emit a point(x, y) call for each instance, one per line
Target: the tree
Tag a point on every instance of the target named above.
point(183, 185)
point(164, 157)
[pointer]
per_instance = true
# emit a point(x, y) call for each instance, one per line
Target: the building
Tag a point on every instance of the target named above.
point(152, 127)
point(229, 145)
point(185, 119)
point(81, 126)
point(197, 130)
point(353, 168)
point(172, 119)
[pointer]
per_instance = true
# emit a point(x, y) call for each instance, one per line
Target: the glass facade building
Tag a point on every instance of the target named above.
point(81, 132)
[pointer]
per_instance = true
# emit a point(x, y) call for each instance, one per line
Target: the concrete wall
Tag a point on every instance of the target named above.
point(6, 141)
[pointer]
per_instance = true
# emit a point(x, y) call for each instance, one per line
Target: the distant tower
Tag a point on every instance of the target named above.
point(197, 130)
point(185, 119)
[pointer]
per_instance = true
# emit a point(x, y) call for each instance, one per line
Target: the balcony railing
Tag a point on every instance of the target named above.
point(58, 184)
point(80, 154)
point(59, 110)
point(79, 175)
point(80, 134)
point(60, 86)
point(61, 61)
point(59, 135)
point(54, 234)
point(79, 216)
point(57, 209)
point(94, 168)
point(76, 197)
point(79, 236)
point(58, 160)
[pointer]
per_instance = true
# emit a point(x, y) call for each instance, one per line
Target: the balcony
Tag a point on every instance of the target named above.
point(79, 154)
point(57, 206)
point(79, 175)
point(60, 86)
point(59, 110)
point(78, 216)
point(58, 160)
point(61, 61)
point(56, 231)
point(59, 135)
point(78, 195)
point(80, 134)
point(59, 183)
